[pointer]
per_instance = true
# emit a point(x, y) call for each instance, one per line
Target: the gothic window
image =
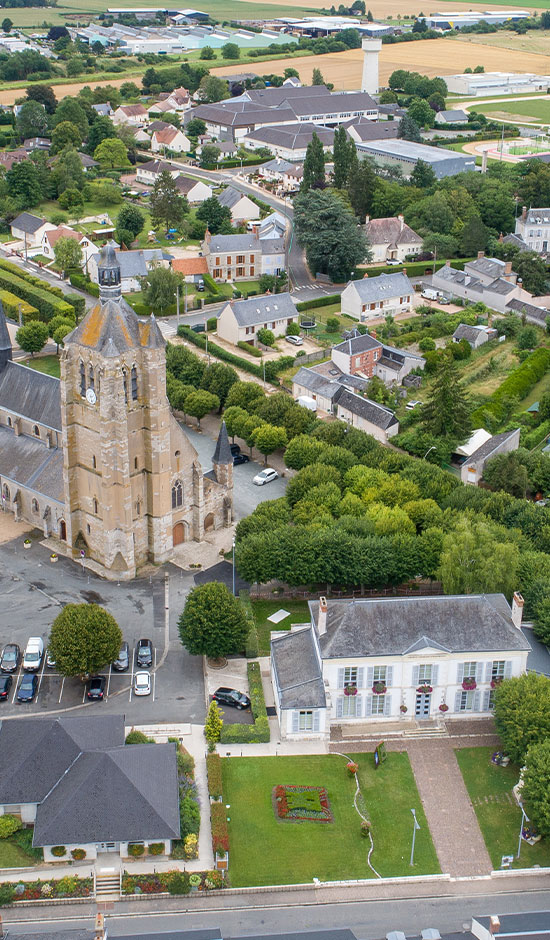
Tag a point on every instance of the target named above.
point(94, 463)
point(82, 380)
point(34, 505)
point(138, 508)
point(91, 381)
point(134, 384)
point(96, 507)
point(6, 493)
point(125, 382)
point(36, 431)
point(177, 494)
point(9, 422)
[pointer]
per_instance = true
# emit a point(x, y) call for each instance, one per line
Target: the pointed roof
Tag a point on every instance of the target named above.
point(108, 325)
point(5, 341)
point(222, 454)
point(150, 333)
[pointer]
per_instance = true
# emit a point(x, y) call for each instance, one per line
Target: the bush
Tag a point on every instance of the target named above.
point(220, 834)
point(320, 302)
point(7, 892)
point(267, 337)
point(157, 848)
point(23, 838)
point(186, 762)
point(79, 304)
point(190, 816)
point(517, 385)
point(8, 825)
point(178, 882)
point(191, 846)
point(59, 851)
point(11, 305)
point(211, 323)
point(214, 771)
point(78, 854)
point(210, 283)
point(332, 325)
point(137, 737)
point(135, 849)
point(249, 348)
point(252, 648)
point(47, 301)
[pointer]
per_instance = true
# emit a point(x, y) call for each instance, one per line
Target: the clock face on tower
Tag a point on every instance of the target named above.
point(91, 396)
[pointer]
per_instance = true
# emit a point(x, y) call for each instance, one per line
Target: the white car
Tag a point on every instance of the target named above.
point(393, 261)
point(412, 404)
point(295, 340)
point(265, 476)
point(34, 652)
point(142, 683)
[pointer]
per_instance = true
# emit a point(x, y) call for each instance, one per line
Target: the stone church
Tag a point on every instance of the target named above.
point(96, 459)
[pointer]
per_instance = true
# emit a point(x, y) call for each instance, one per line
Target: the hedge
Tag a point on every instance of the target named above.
point(210, 284)
point(270, 369)
point(258, 733)
point(517, 385)
point(214, 772)
point(11, 305)
point(325, 301)
point(252, 646)
point(537, 435)
point(85, 284)
point(249, 348)
point(47, 304)
point(414, 268)
point(220, 833)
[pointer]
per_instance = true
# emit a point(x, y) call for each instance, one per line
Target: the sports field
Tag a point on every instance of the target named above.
point(531, 111)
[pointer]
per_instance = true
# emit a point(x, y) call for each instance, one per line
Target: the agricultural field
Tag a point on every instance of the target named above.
point(532, 111)
point(533, 41)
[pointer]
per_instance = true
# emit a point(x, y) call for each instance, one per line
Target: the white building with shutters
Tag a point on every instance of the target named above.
point(368, 662)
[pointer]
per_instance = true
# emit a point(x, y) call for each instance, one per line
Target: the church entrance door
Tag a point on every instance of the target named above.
point(62, 531)
point(178, 534)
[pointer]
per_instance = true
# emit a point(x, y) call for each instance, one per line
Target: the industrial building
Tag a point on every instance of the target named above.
point(495, 83)
point(406, 154)
point(446, 21)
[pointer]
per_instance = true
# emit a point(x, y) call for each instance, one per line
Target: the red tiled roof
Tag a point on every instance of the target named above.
point(190, 265)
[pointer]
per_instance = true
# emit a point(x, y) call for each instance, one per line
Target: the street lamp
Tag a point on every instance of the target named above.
point(428, 451)
point(415, 827)
point(233, 567)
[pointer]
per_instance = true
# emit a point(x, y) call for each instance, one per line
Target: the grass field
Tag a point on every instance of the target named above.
point(536, 110)
point(298, 610)
point(533, 41)
point(264, 850)
point(47, 364)
point(499, 817)
point(12, 856)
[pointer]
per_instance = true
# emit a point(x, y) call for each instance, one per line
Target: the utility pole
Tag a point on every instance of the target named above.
point(177, 305)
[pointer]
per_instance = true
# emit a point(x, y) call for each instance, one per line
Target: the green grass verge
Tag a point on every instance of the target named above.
point(299, 613)
point(264, 850)
point(47, 364)
point(537, 109)
point(12, 856)
point(499, 817)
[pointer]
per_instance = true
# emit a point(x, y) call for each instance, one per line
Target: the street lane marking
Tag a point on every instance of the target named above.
point(61, 692)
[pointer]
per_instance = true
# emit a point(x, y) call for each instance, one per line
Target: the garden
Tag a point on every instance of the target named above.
point(325, 839)
point(298, 610)
point(171, 882)
point(68, 887)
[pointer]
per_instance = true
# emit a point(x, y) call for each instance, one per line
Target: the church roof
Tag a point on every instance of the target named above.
point(222, 454)
point(5, 341)
point(30, 394)
point(27, 462)
point(113, 321)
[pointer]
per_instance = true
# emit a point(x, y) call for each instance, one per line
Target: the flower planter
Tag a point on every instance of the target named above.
point(379, 688)
point(469, 685)
point(27, 543)
point(53, 559)
point(350, 690)
point(443, 708)
point(424, 689)
point(495, 683)
point(403, 709)
point(222, 861)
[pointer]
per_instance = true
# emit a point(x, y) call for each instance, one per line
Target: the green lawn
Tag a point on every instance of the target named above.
point(12, 856)
point(299, 613)
point(264, 850)
point(536, 109)
point(47, 364)
point(498, 815)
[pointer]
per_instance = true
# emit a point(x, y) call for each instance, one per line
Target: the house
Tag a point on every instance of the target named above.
point(192, 269)
point(474, 335)
point(533, 227)
point(157, 126)
point(81, 787)
point(366, 356)
point(451, 117)
point(359, 662)
point(242, 208)
point(241, 257)
point(406, 154)
point(287, 175)
point(149, 172)
point(289, 141)
point(29, 229)
point(366, 415)
point(133, 114)
point(391, 239)
point(36, 143)
point(195, 190)
point(104, 110)
point(378, 296)
point(489, 280)
point(87, 162)
point(240, 320)
point(364, 130)
point(134, 265)
point(179, 99)
point(471, 469)
point(170, 139)
point(52, 236)
point(532, 312)
point(272, 226)
point(161, 107)
point(9, 158)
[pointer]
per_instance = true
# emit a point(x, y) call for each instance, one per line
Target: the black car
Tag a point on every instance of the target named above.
point(5, 686)
point(235, 449)
point(122, 662)
point(27, 687)
point(240, 458)
point(144, 654)
point(11, 657)
point(231, 697)
point(96, 688)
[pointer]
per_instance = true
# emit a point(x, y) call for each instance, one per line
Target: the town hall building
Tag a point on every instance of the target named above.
point(97, 459)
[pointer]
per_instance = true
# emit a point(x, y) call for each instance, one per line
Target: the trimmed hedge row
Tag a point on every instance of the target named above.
point(210, 283)
point(414, 268)
point(321, 302)
point(258, 733)
point(85, 284)
point(214, 772)
point(252, 646)
point(517, 385)
point(272, 368)
point(47, 303)
point(537, 435)
point(249, 348)
point(220, 833)
point(11, 305)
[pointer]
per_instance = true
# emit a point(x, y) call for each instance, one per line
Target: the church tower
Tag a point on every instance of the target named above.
point(116, 434)
point(5, 341)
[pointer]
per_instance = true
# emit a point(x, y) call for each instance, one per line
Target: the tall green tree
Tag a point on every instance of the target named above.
point(112, 154)
point(101, 129)
point(84, 638)
point(64, 135)
point(67, 172)
point(409, 129)
point(32, 337)
point(167, 206)
point(216, 216)
point(474, 237)
point(269, 438)
point(212, 89)
point(44, 94)
point(329, 233)
point(535, 791)
point(24, 184)
point(130, 219)
point(32, 120)
point(199, 403)
point(343, 153)
point(423, 175)
point(159, 287)
point(314, 166)
point(476, 560)
point(522, 714)
point(68, 254)
point(447, 409)
point(71, 110)
point(317, 78)
point(213, 622)
point(363, 184)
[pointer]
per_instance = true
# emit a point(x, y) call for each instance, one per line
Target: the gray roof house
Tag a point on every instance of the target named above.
point(364, 659)
point(451, 117)
point(26, 222)
point(471, 469)
point(373, 297)
point(366, 415)
point(243, 209)
point(533, 313)
point(240, 320)
point(289, 141)
point(486, 279)
point(475, 335)
point(82, 787)
point(134, 264)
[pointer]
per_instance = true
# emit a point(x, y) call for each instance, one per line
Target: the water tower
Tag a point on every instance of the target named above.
point(371, 50)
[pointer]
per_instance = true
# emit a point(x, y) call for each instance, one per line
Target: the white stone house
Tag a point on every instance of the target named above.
point(149, 172)
point(133, 114)
point(471, 470)
point(368, 662)
point(51, 237)
point(195, 191)
point(476, 336)
point(374, 297)
point(366, 415)
point(240, 320)
point(242, 208)
point(170, 139)
point(533, 226)
point(30, 229)
point(391, 239)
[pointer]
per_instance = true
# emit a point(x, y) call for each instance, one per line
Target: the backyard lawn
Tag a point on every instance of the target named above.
point(12, 856)
point(264, 850)
point(499, 817)
point(47, 364)
point(298, 610)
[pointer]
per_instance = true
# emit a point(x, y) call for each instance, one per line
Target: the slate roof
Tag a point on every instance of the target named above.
point(185, 184)
point(491, 267)
point(314, 382)
point(158, 126)
point(530, 310)
point(537, 215)
point(292, 136)
point(28, 462)
point(364, 408)
point(247, 241)
point(222, 453)
point(263, 309)
point(451, 117)
point(131, 110)
point(470, 333)
point(373, 130)
point(393, 626)
point(273, 246)
point(490, 447)
point(390, 231)
point(5, 341)
point(38, 751)
point(120, 794)
point(298, 670)
point(371, 289)
point(27, 393)
point(517, 240)
point(273, 97)
point(230, 197)
point(155, 166)
point(243, 117)
point(332, 104)
point(26, 222)
point(277, 166)
point(358, 344)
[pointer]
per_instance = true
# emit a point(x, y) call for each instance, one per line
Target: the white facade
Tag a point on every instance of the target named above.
point(177, 142)
point(378, 304)
point(371, 51)
point(533, 226)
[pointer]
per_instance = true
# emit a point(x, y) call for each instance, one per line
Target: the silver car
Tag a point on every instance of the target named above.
point(265, 476)
point(142, 683)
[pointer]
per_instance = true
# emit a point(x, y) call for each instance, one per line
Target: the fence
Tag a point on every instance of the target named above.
point(422, 589)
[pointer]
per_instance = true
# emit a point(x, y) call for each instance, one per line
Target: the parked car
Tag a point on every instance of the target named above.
point(200, 284)
point(231, 697)
point(235, 449)
point(122, 662)
point(11, 657)
point(443, 300)
point(265, 476)
point(50, 659)
point(295, 340)
point(240, 458)
point(142, 683)
point(96, 688)
point(5, 686)
point(411, 405)
point(429, 293)
point(32, 660)
point(392, 261)
point(144, 654)
point(27, 687)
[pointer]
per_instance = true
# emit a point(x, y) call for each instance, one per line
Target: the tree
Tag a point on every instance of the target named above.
point(218, 379)
point(213, 725)
point(343, 152)
point(265, 336)
point(423, 175)
point(129, 90)
point(32, 337)
point(317, 78)
point(160, 286)
point(528, 338)
point(67, 172)
point(209, 155)
point(32, 120)
point(131, 219)
point(409, 130)
point(61, 332)
point(314, 166)
point(212, 89)
point(477, 559)
point(421, 113)
point(71, 110)
point(544, 406)
point(167, 206)
point(436, 102)
point(196, 127)
point(522, 714)
point(199, 403)
point(230, 50)
point(64, 135)
point(535, 791)
point(269, 437)
point(207, 53)
point(234, 418)
point(213, 622)
point(447, 409)
point(112, 153)
point(245, 395)
point(84, 638)
point(474, 237)
point(216, 216)
point(327, 230)
point(362, 186)
point(507, 472)
point(102, 129)
point(7, 24)
point(68, 254)
point(44, 94)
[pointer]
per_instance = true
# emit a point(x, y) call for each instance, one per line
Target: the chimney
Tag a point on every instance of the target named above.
point(322, 620)
point(254, 230)
point(494, 924)
point(517, 610)
point(207, 236)
point(401, 222)
point(99, 927)
point(448, 263)
point(367, 219)
point(501, 238)
point(365, 276)
point(507, 268)
point(524, 213)
point(404, 271)
point(481, 254)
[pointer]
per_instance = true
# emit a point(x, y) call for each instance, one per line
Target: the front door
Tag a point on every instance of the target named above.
point(107, 846)
point(423, 700)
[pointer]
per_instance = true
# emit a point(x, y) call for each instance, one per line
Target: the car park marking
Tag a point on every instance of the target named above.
point(134, 654)
point(41, 677)
point(106, 696)
point(84, 692)
point(155, 674)
point(16, 684)
point(61, 691)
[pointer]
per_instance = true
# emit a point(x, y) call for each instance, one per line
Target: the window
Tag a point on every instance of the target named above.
point(240, 272)
point(9, 422)
point(378, 703)
point(497, 671)
point(217, 273)
point(217, 260)
point(36, 431)
point(379, 674)
point(228, 259)
point(305, 721)
point(252, 271)
point(466, 701)
point(240, 259)
point(34, 505)
point(138, 508)
point(82, 380)
point(491, 700)
point(5, 492)
point(350, 675)
point(351, 706)
point(96, 507)
point(125, 383)
point(88, 530)
point(177, 494)
point(94, 463)
point(425, 674)
point(134, 384)
point(91, 381)
point(135, 463)
point(469, 671)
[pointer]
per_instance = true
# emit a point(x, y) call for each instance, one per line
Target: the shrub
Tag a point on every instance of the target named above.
point(195, 879)
point(214, 771)
point(136, 850)
point(332, 325)
point(517, 385)
point(252, 648)
point(210, 283)
point(177, 882)
point(249, 348)
point(79, 304)
point(78, 854)
point(137, 737)
point(320, 302)
point(8, 825)
point(258, 733)
point(220, 834)
point(190, 816)
point(11, 305)
point(211, 323)
point(256, 690)
point(59, 851)
point(23, 838)
point(186, 762)
point(191, 846)
point(157, 848)
point(7, 892)
point(47, 301)
point(267, 337)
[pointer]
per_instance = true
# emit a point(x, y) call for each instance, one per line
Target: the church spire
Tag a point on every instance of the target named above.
point(222, 454)
point(108, 275)
point(5, 341)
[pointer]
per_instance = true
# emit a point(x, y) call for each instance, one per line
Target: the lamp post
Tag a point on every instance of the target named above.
point(233, 567)
point(523, 817)
point(428, 451)
point(415, 827)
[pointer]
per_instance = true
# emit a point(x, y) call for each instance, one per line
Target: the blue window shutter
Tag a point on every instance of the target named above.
point(360, 677)
point(340, 678)
point(295, 721)
point(459, 673)
point(479, 672)
point(358, 706)
point(316, 719)
point(486, 696)
point(488, 672)
point(370, 677)
point(387, 705)
point(458, 698)
point(339, 707)
point(435, 671)
point(389, 675)
point(368, 705)
point(507, 669)
point(416, 673)
point(476, 705)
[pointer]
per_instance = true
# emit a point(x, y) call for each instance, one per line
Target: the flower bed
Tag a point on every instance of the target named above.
point(220, 833)
point(214, 771)
point(68, 887)
point(296, 804)
point(171, 882)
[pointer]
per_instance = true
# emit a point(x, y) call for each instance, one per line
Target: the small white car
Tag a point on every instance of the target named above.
point(295, 340)
point(142, 683)
point(34, 652)
point(393, 261)
point(265, 476)
point(412, 404)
